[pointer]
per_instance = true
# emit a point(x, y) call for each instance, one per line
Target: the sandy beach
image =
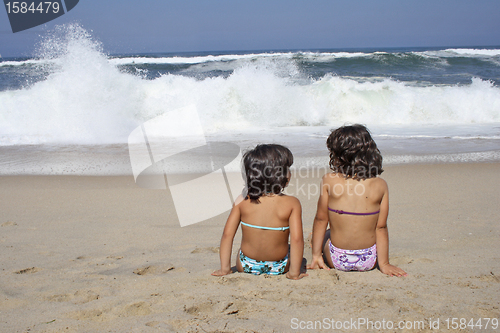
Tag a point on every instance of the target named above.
point(100, 254)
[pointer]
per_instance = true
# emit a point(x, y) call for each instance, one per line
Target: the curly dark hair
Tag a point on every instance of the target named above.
point(266, 170)
point(353, 152)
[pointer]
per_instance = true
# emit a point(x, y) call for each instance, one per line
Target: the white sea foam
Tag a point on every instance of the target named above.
point(487, 156)
point(176, 60)
point(436, 136)
point(310, 56)
point(472, 53)
point(88, 100)
point(195, 59)
point(29, 62)
point(84, 100)
point(475, 52)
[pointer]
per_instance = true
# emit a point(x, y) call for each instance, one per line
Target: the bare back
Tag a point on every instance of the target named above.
point(273, 211)
point(352, 232)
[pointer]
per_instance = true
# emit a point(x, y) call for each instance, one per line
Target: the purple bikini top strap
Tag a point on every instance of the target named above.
point(351, 213)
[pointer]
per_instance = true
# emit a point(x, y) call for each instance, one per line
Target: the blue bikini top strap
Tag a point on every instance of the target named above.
point(264, 228)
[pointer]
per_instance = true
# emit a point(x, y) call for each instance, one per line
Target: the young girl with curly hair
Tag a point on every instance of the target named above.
point(354, 202)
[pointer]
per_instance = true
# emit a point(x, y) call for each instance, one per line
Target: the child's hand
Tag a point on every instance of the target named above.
point(221, 272)
point(392, 270)
point(318, 263)
point(301, 275)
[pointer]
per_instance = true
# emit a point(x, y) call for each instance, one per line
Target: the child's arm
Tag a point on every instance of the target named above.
point(319, 228)
point(382, 239)
point(296, 242)
point(226, 242)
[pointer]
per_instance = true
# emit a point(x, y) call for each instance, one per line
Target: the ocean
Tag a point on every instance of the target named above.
point(71, 108)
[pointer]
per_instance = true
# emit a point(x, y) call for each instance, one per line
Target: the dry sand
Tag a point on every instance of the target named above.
point(99, 254)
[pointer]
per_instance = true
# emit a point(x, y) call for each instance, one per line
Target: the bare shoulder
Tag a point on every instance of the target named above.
point(241, 201)
point(290, 200)
point(244, 206)
point(380, 184)
point(332, 177)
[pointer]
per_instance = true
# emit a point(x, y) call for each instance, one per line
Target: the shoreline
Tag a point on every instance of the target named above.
point(94, 253)
point(73, 163)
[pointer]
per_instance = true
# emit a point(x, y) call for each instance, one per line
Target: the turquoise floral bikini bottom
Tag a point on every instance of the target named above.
point(263, 267)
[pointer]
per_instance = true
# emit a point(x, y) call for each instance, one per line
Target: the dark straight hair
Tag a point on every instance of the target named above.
point(266, 170)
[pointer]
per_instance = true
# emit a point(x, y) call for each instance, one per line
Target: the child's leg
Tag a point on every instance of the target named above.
point(327, 257)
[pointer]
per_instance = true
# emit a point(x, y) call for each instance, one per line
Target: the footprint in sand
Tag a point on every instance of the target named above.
point(8, 224)
point(378, 300)
point(200, 310)
point(230, 309)
point(79, 297)
point(137, 309)
point(115, 257)
point(153, 323)
point(91, 314)
point(154, 269)
point(97, 314)
point(235, 279)
point(424, 260)
point(164, 327)
point(213, 307)
point(29, 270)
point(206, 250)
point(397, 261)
point(321, 274)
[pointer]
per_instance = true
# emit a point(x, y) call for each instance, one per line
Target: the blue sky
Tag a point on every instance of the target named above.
point(126, 26)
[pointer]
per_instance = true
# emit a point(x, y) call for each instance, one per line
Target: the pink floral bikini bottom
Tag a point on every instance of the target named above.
point(353, 260)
